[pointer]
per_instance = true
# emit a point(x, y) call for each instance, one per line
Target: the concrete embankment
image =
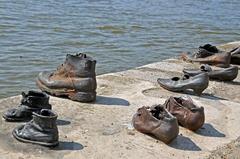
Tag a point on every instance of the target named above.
point(103, 129)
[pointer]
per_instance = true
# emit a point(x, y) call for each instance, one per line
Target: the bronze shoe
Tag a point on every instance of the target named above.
point(205, 51)
point(156, 121)
point(75, 79)
point(224, 74)
point(219, 59)
point(31, 102)
point(188, 115)
point(41, 130)
point(197, 83)
point(209, 50)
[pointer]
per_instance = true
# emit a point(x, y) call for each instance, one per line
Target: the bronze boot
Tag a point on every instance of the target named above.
point(75, 79)
point(31, 102)
point(188, 115)
point(156, 121)
point(41, 130)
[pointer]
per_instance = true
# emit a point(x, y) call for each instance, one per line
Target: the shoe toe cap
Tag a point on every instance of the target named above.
point(17, 132)
point(163, 82)
point(11, 113)
point(44, 76)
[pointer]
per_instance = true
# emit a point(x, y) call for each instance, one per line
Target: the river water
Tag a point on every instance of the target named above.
point(120, 34)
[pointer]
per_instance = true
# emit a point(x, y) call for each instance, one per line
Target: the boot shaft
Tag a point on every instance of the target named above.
point(46, 119)
point(34, 99)
point(79, 65)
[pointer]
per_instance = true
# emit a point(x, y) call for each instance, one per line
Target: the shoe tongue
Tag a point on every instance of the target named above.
point(205, 68)
point(24, 99)
point(81, 55)
point(187, 102)
point(24, 94)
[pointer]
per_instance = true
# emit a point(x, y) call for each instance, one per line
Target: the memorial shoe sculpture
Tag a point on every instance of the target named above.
point(208, 50)
point(31, 102)
point(205, 51)
point(156, 121)
point(41, 130)
point(219, 59)
point(223, 74)
point(197, 83)
point(75, 79)
point(188, 114)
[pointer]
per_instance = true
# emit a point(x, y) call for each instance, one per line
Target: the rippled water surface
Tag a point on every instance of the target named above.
point(120, 34)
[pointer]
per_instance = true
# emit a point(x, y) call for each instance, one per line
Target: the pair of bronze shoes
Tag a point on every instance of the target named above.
point(162, 121)
point(223, 74)
point(209, 50)
point(198, 79)
point(40, 127)
point(209, 54)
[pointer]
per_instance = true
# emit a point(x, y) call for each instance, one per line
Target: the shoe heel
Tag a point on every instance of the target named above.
point(84, 97)
point(198, 91)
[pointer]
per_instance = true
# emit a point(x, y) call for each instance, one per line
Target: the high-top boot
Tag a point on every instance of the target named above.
point(42, 129)
point(156, 121)
point(75, 79)
point(31, 102)
point(188, 115)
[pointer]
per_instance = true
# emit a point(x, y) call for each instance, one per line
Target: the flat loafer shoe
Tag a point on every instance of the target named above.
point(197, 83)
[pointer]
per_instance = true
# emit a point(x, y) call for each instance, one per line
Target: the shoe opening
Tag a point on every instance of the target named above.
point(159, 112)
point(175, 78)
point(46, 112)
point(36, 94)
point(187, 103)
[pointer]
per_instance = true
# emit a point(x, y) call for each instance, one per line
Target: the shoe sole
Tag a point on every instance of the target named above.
point(34, 142)
point(15, 119)
point(84, 97)
point(170, 89)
